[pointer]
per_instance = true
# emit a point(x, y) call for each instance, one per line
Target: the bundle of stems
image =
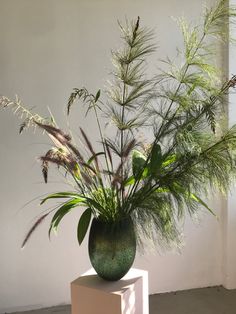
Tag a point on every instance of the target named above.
point(191, 150)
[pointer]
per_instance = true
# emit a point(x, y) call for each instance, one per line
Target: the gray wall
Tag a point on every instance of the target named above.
point(47, 47)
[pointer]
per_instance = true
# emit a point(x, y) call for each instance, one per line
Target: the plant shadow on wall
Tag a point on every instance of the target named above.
point(134, 190)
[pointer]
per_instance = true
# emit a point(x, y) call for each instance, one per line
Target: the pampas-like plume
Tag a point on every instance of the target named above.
point(58, 157)
point(61, 137)
point(90, 147)
point(57, 133)
point(45, 171)
point(32, 229)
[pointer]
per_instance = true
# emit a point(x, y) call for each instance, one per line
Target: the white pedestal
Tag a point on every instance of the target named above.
point(93, 295)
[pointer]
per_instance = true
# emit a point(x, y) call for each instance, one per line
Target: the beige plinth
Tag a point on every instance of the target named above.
point(93, 295)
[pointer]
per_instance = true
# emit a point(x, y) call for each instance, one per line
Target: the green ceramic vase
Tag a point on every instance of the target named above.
point(112, 248)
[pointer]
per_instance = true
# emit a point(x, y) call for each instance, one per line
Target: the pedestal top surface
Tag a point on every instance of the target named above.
point(91, 280)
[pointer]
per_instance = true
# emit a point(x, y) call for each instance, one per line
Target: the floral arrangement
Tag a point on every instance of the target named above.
point(156, 181)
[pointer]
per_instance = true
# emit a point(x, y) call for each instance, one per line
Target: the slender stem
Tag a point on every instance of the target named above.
point(123, 108)
point(122, 136)
point(102, 138)
point(76, 181)
point(157, 137)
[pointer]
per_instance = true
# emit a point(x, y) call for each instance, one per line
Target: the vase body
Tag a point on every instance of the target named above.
point(112, 248)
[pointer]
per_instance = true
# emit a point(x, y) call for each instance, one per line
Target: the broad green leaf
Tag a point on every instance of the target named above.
point(145, 173)
point(94, 156)
point(138, 162)
point(83, 224)
point(61, 212)
point(156, 159)
point(93, 203)
point(200, 201)
point(131, 180)
point(61, 195)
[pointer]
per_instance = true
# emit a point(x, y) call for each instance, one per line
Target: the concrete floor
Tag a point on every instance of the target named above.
point(215, 300)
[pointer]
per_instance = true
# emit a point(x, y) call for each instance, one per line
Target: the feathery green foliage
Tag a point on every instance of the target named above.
point(158, 181)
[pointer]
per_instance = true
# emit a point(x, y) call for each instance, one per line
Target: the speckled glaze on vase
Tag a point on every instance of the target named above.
point(112, 248)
